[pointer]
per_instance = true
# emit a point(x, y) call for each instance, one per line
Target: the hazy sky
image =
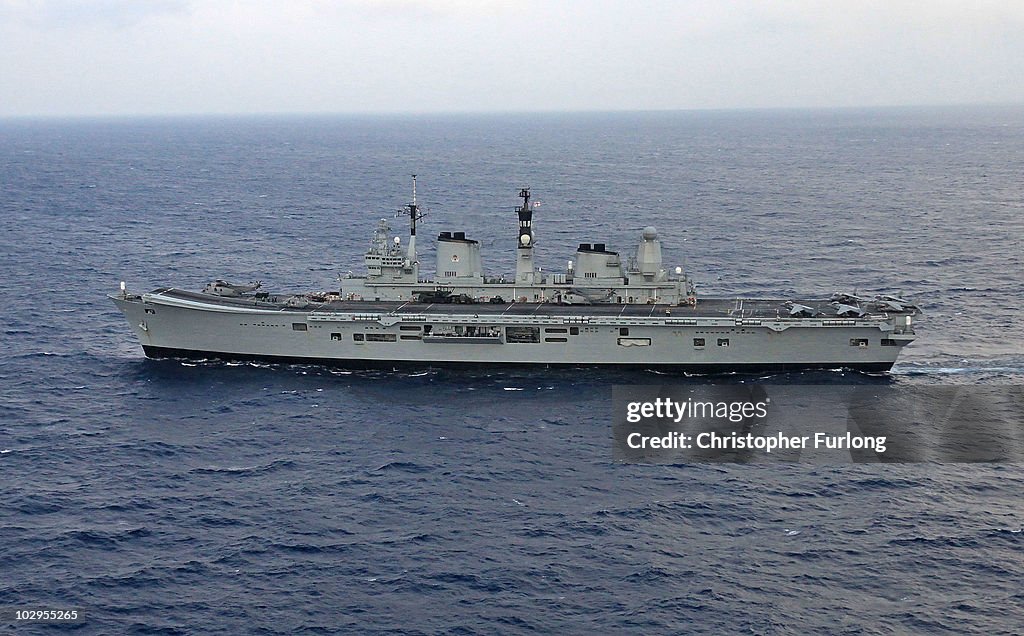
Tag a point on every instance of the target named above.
point(61, 57)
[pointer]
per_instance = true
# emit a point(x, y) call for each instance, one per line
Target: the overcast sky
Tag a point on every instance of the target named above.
point(88, 57)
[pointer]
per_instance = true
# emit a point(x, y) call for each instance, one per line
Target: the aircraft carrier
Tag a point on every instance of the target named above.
point(603, 309)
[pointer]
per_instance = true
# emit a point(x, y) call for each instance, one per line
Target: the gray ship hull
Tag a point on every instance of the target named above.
point(162, 353)
point(716, 336)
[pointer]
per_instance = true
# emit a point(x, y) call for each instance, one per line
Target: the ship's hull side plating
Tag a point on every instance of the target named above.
point(171, 325)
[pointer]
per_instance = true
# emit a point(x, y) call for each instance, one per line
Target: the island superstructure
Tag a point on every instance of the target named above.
point(601, 310)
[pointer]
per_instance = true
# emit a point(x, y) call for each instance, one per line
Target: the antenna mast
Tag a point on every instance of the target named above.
point(414, 210)
point(414, 215)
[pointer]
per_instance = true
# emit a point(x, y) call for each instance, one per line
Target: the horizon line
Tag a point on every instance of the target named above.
point(486, 113)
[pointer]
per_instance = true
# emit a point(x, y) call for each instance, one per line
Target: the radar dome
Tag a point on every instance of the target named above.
point(650, 233)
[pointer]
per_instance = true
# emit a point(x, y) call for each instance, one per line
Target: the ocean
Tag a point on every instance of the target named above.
point(171, 497)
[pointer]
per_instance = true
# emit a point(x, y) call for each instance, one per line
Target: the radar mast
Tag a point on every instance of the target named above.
point(525, 272)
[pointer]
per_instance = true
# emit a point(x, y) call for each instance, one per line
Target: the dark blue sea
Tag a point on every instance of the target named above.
point(165, 497)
